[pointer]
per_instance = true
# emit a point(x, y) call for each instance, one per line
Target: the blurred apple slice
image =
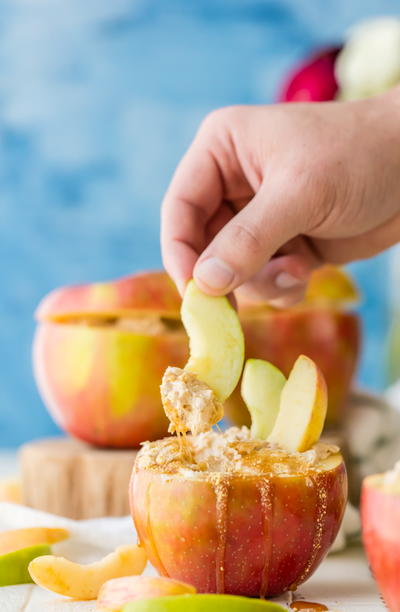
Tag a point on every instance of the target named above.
point(215, 338)
point(302, 411)
point(262, 384)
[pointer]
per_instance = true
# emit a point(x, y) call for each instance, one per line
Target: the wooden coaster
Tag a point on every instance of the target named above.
point(72, 479)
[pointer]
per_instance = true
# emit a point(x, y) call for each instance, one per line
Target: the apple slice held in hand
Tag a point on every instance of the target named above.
point(262, 384)
point(216, 340)
point(302, 410)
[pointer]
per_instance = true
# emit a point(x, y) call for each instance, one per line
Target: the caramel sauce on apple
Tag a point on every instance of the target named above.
point(320, 485)
point(308, 606)
point(266, 497)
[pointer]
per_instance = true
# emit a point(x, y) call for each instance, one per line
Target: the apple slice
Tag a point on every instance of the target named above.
point(22, 538)
point(84, 581)
point(216, 340)
point(262, 384)
point(119, 591)
point(302, 409)
point(202, 603)
point(14, 565)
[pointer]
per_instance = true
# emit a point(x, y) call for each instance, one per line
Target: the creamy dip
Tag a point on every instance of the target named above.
point(189, 403)
point(231, 451)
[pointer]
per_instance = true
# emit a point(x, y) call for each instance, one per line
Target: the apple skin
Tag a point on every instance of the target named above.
point(145, 292)
point(313, 80)
point(380, 518)
point(101, 384)
point(328, 336)
point(269, 541)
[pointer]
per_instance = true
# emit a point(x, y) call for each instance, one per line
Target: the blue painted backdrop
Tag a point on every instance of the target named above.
point(98, 101)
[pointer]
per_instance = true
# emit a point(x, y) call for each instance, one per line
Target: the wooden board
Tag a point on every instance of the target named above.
point(70, 478)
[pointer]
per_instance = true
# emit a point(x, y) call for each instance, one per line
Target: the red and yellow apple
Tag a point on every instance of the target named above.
point(380, 514)
point(240, 534)
point(100, 351)
point(99, 354)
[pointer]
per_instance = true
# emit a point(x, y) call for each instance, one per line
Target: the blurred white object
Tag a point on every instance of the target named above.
point(369, 62)
point(372, 434)
point(349, 530)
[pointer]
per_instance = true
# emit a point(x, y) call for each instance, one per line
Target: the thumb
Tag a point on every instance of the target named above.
point(248, 241)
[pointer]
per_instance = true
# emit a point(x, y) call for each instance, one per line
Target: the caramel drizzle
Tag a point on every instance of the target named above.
point(221, 488)
point(307, 606)
point(320, 484)
point(265, 489)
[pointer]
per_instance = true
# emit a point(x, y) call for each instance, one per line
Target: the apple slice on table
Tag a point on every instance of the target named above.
point(15, 539)
point(114, 594)
point(14, 565)
point(262, 384)
point(202, 603)
point(215, 338)
point(84, 581)
point(303, 405)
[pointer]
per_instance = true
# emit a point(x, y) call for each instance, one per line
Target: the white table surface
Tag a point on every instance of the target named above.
point(342, 582)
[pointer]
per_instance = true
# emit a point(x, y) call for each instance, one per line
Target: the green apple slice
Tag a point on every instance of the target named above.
point(215, 338)
point(262, 384)
point(302, 411)
point(14, 565)
point(202, 603)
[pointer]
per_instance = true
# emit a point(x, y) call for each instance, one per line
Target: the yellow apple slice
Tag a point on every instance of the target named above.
point(216, 340)
point(119, 591)
point(30, 536)
point(302, 411)
point(84, 581)
point(262, 384)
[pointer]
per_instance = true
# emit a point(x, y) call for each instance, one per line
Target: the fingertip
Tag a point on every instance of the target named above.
point(214, 276)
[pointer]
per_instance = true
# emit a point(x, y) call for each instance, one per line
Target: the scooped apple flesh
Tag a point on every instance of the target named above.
point(302, 410)
point(215, 338)
point(262, 384)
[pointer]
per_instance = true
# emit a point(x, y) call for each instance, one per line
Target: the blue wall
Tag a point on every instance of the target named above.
point(98, 101)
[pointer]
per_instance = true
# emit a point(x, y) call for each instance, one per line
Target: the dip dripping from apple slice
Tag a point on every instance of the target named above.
point(193, 397)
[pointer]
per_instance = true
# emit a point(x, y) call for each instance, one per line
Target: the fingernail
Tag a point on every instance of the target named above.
point(214, 273)
point(284, 280)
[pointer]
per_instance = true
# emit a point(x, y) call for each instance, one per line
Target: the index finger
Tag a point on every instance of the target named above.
point(192, 198)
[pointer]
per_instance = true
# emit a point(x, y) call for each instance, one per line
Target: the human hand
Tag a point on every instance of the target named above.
point(267, 193)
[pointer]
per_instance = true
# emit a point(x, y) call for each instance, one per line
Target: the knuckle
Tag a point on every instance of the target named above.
point(220, 117)
point(246, 240)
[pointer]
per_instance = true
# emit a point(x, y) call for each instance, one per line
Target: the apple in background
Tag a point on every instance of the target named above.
point(380, 518)
point(100, 352)
point(321, 327)
point(313, 80)
point(241, 534)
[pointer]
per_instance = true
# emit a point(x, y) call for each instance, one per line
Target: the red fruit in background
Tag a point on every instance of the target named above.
point(313, 80)
point(380, 516)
